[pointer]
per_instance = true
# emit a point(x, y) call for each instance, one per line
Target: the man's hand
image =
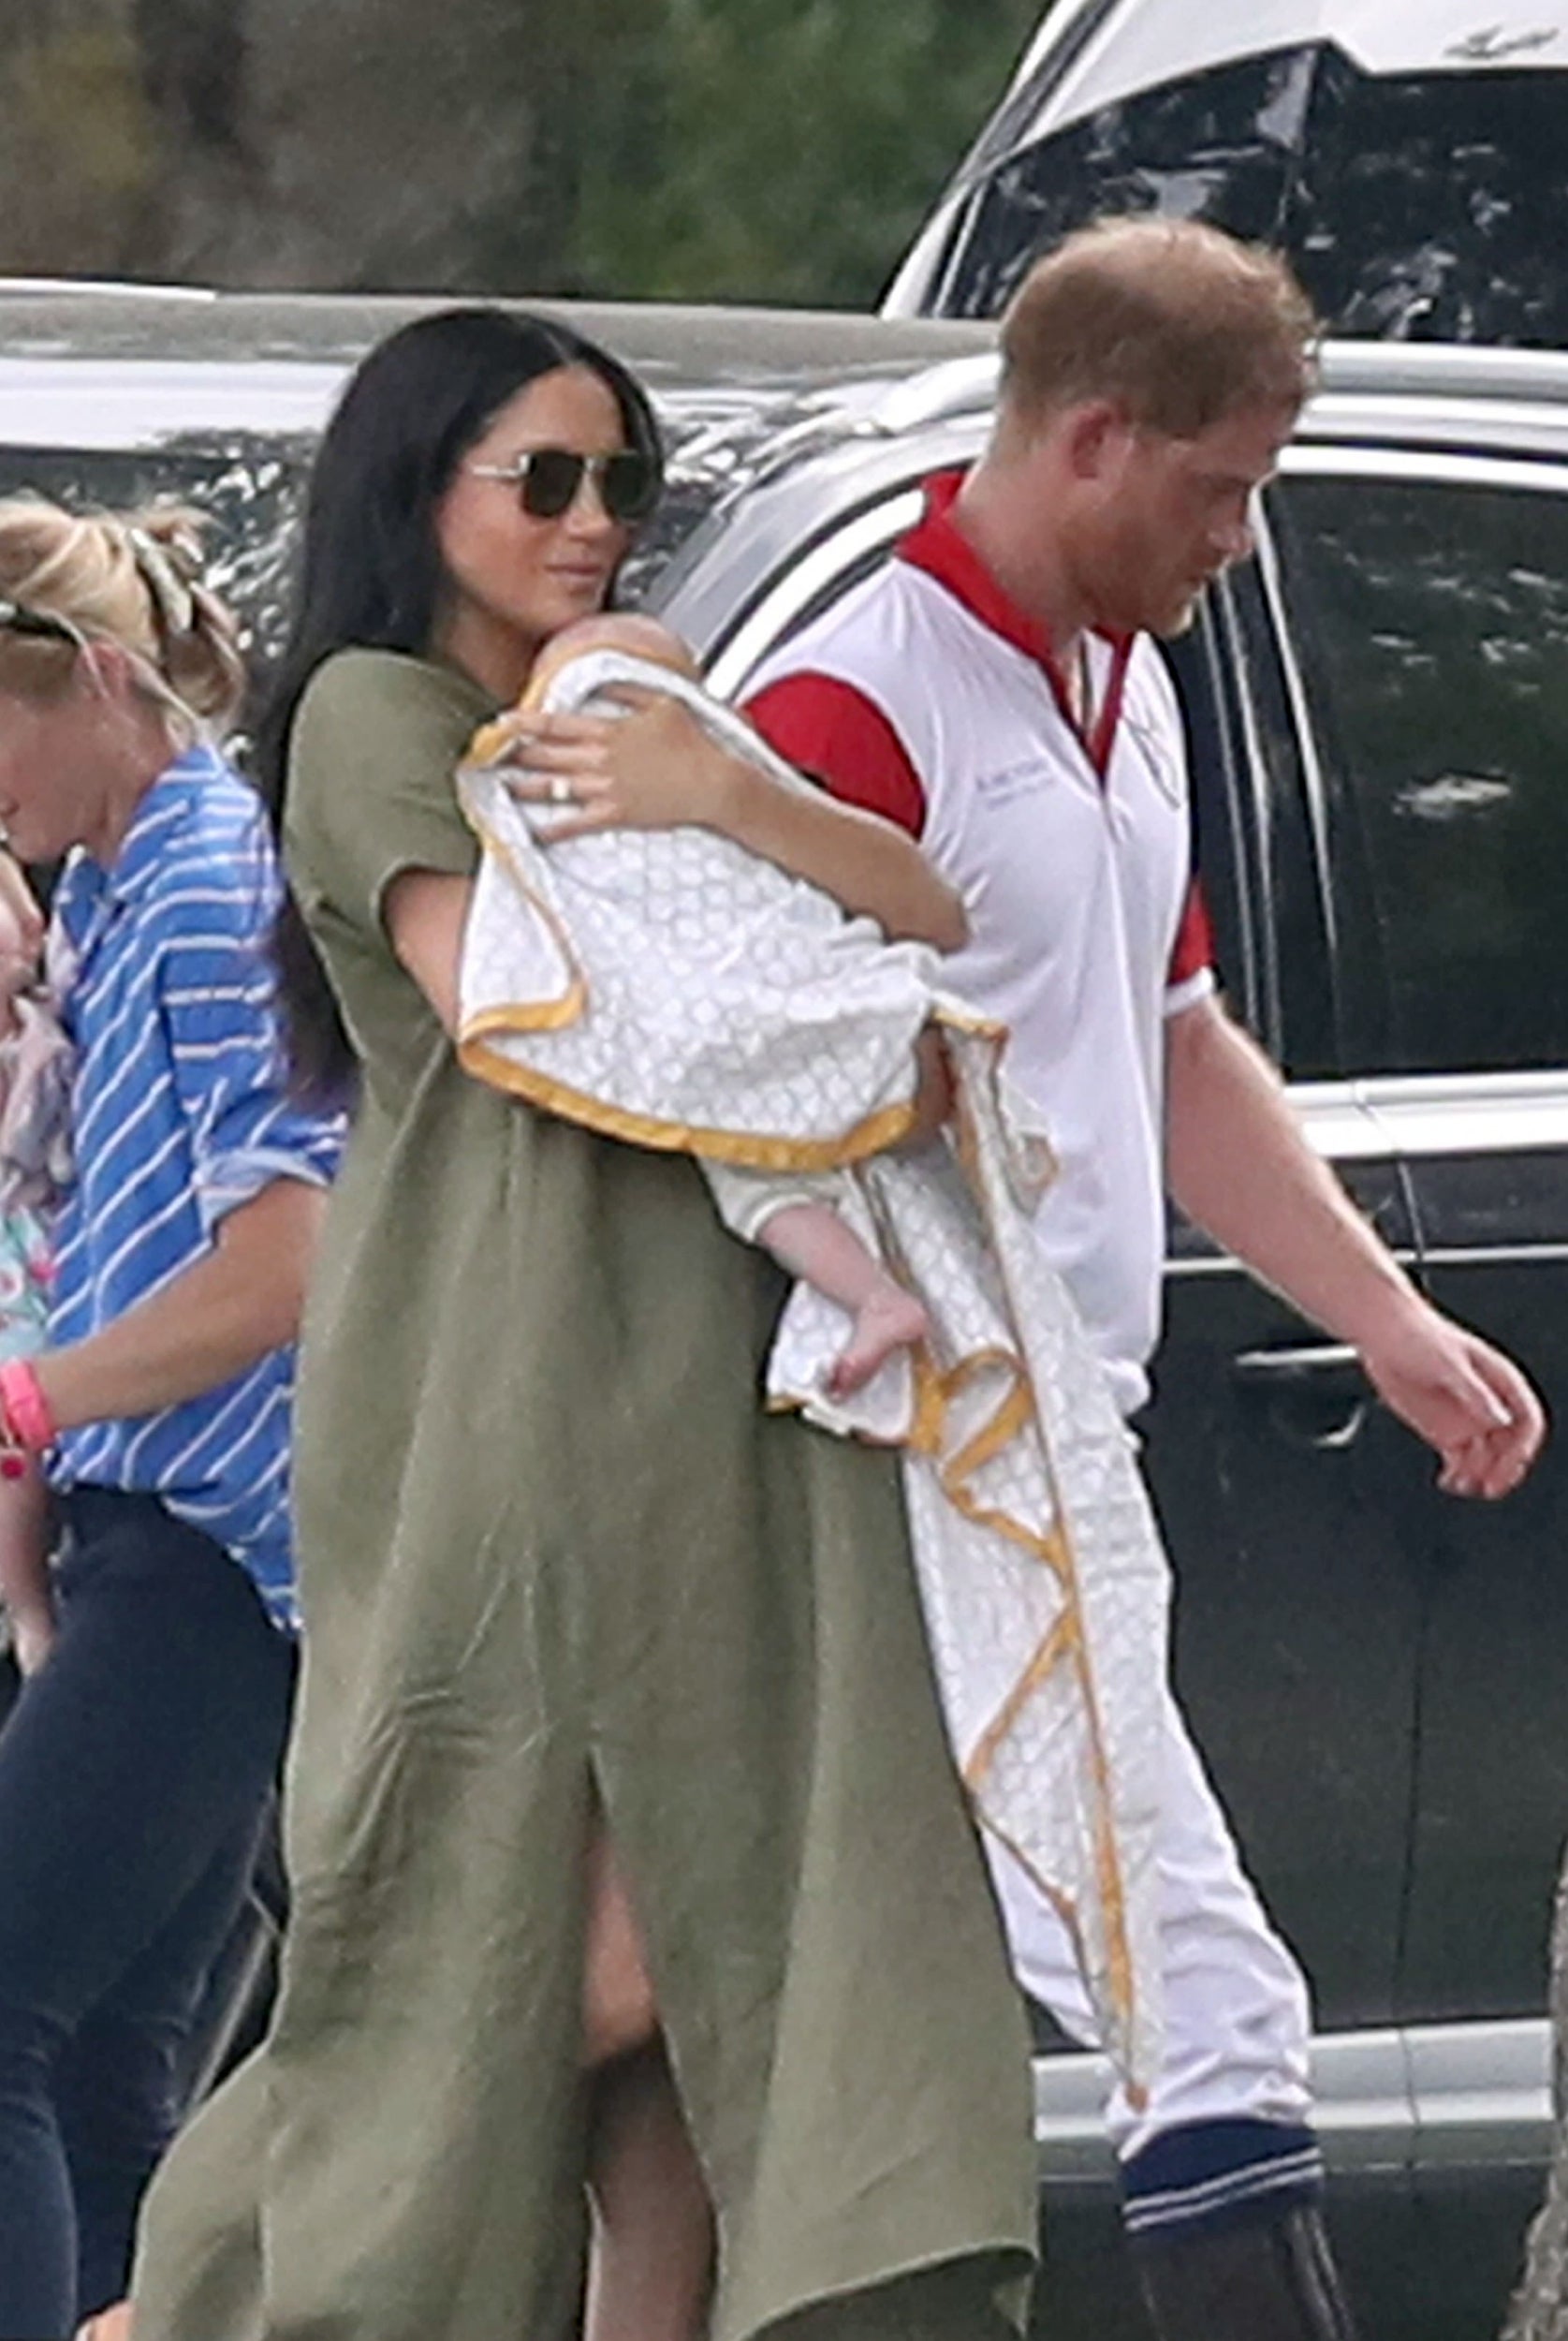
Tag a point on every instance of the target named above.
point(1241, 1168)
point(1469, 1402)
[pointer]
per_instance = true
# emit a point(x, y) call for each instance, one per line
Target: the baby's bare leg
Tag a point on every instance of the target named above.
point(815, 1244)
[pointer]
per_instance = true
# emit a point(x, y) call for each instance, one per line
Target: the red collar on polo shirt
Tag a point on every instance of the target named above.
point(937, 545)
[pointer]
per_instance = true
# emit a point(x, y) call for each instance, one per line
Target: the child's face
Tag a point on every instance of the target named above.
point(51, 754)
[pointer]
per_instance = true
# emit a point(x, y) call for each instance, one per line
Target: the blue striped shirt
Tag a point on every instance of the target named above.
point(178, 1113)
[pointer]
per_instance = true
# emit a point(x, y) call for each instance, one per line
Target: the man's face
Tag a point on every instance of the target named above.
point(1170, 514)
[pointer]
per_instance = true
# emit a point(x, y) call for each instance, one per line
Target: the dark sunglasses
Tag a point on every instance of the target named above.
point(547, 479)
point(42, 624)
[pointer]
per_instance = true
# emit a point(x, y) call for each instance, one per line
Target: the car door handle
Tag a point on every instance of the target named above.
point(1318, 1366)
point(1316, 1392)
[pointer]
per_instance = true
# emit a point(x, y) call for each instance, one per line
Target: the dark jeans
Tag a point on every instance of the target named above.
point(135, 1770)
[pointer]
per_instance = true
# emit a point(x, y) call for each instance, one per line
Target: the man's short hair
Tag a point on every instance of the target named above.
point(1177, 322)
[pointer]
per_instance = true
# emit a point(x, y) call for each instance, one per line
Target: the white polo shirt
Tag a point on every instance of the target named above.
point(928, 696)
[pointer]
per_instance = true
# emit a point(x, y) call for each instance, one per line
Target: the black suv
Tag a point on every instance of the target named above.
point(1378, 707)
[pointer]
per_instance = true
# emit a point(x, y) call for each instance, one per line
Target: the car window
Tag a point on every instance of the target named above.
point(251, 485)
point(1430, 622)
point(1422, 203)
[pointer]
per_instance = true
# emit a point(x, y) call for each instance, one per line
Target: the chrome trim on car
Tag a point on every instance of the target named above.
point(1482, 2091)
point(955, 386)
point(1438, 1113)
point(1432, 466)
point(1384, 1120)
point(1418, 2098)
point(1300, 713)
point(1469, 1113)
point(1492, 1254)
point(867, 532)
point(89, 403)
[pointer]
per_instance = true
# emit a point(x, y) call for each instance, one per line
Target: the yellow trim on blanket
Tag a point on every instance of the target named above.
point(1054, 1551)
point(1064, 1644)
point(1059, 1644)
point(551, 1015)
point(1067, 1910)
point(746, 1150)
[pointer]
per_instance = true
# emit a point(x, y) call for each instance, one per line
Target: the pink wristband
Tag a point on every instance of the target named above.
point(27, 1419)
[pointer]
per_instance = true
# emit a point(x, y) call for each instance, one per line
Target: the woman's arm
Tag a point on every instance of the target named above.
point(657, 768)
point(218, 1318)
point(426, 912)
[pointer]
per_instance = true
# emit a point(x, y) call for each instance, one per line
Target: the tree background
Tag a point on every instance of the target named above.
point(743, 150)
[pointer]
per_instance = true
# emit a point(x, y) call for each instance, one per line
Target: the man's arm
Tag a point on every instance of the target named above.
point(1238, 1165)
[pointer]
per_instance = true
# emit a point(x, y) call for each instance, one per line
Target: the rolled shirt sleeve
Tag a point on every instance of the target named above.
point(218, 997)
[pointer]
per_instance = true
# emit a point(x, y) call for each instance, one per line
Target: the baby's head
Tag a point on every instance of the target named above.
point(634, 637)
point(625, 630)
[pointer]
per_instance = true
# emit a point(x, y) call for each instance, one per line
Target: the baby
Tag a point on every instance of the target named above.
point(665, 986)
point(793, 1217)
point(35, 1076)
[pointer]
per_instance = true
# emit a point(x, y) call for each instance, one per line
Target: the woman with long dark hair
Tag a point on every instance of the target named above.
point(577, 1611)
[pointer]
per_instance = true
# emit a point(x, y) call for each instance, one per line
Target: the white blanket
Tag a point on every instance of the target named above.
point(667, 988)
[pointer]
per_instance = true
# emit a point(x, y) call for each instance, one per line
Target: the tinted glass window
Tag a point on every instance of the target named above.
point(1423, 204)
point(251, 487)
point(1430, 621)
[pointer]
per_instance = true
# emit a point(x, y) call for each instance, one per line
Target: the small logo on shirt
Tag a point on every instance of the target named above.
point(1025, 778)
point(1162, 767)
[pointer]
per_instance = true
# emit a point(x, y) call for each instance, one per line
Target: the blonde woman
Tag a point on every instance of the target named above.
point(135, 1768)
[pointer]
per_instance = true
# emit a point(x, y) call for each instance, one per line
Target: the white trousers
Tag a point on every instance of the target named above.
point(1237, 2016)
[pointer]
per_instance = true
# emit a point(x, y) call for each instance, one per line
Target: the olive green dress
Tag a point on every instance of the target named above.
point(552, 1547)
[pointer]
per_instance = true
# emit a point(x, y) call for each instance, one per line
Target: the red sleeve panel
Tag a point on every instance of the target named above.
point(831, 732)
point(1193, 950)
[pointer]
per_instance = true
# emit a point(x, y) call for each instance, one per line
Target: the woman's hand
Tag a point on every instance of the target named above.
point(654, 767)
point(657, 768)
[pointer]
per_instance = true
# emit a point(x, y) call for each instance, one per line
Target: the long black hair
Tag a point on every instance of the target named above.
point(371, 570)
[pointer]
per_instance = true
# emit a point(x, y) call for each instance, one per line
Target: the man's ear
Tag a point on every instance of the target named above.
point(1095, 439)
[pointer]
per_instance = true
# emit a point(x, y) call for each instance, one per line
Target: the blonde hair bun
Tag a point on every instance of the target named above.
point(136, 578)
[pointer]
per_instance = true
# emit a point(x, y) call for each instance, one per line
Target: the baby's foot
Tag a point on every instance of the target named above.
point(891, 1320)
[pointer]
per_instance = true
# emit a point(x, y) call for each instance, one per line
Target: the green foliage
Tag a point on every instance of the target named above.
point(738, 150)
point(764, 150)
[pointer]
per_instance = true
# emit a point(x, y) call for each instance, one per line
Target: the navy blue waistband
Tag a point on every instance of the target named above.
point(1219, 2174)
